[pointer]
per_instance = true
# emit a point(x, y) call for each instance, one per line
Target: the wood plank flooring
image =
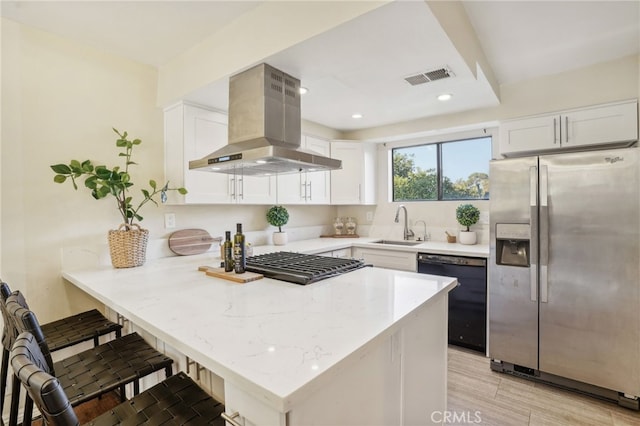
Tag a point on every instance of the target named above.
point(477, 395)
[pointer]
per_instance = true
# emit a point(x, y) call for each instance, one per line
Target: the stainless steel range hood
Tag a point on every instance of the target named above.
point(264, 128)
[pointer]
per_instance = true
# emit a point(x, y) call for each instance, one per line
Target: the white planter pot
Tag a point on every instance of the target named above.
point(467, 237)
point(280, 238)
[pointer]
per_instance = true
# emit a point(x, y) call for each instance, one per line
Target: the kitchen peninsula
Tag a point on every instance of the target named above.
point(366, 347)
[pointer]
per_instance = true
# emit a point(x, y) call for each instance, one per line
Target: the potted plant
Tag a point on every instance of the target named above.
point(467, 215)
point(278, 216)
point(128, 243)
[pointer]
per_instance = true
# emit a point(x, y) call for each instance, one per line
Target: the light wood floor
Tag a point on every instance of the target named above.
point(504, 400)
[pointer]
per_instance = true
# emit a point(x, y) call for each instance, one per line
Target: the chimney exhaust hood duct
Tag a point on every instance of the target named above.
point(264, 128)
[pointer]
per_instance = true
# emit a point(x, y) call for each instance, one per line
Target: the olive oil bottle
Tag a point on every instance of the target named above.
point(239, 250)
point(228, 252)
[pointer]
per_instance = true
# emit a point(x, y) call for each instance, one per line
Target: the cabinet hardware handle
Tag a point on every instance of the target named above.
point(199, 368)
point(121, 319)
point(566, 129)
point(533, 203)
point(232, 187)
point(241, 190)
point(303, 185)
point(544, 234)
point(555, 133)
point(231, 418)
point(310, 193)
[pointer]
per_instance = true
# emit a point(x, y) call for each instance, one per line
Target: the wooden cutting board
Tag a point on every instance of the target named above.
point(191, 241)
point(231, 276)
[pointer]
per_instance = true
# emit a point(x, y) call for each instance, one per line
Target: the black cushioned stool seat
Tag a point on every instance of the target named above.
point(60, 334)
point(82, 327)
point(68, 331)
point(91, 373)
point(175, 401)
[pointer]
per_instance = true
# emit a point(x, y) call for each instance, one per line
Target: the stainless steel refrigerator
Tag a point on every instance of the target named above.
point(564, 273)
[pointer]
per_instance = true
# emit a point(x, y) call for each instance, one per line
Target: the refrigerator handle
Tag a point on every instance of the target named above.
point(544, 233)
point(533, 203)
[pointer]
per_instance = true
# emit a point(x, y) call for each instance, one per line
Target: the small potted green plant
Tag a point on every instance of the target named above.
point(128, 243)
point(278, 216)
point(467, 215)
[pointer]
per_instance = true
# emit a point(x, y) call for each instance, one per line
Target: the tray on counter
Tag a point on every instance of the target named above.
point(231, 276)
point(340, 236)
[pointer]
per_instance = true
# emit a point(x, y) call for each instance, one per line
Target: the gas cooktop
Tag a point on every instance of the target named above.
point(300, 268)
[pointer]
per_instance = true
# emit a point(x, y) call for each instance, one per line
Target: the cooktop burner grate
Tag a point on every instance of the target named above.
point(300, 268)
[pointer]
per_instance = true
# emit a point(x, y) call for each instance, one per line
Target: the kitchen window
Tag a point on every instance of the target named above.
point(454, 170)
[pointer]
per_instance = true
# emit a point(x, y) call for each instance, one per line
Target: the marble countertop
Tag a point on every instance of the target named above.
point(275, 339)
point(320, 245)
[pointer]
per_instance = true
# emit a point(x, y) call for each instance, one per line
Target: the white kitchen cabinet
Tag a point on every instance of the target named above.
point(391, 379)
point(389, 259)
point(615, 123)
point(192, 132)
point(306, 187)
point(344, 253)
point(355, 183)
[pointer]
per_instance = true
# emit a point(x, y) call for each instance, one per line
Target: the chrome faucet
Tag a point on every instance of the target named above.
point(408, 233)
point(424, 235)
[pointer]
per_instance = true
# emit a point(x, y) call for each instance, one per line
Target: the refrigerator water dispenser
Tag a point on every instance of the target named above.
point(513, 244)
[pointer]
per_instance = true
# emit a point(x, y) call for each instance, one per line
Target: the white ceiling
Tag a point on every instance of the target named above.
point(360, 66)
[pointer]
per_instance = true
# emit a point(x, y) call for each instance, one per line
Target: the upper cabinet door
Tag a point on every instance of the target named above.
point(355, 183)
point(306, 187)
point(613, 124)
point(600, 125)
point(192, 132)
point(530, 134)
point(318, 184)
point(204, 132)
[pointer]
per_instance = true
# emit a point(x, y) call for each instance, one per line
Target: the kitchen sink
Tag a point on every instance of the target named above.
point(398, 243)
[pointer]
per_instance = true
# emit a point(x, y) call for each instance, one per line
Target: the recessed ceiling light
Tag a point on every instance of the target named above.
point(303, 90)
point(260, 162)
point(356, 115)
point(215, 168)
point(444, 97)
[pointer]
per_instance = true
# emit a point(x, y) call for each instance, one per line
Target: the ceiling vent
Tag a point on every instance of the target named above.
point(427, 76)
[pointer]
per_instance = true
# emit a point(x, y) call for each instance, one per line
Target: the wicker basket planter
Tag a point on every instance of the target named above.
point(128, 245)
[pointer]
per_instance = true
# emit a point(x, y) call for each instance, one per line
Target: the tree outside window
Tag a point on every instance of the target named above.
point(457, 170)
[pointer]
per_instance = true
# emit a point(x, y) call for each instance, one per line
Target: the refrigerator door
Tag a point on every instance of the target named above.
point(589, 293)
point(513, 306)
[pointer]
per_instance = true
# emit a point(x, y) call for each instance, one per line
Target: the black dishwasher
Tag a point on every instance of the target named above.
point(468, 301)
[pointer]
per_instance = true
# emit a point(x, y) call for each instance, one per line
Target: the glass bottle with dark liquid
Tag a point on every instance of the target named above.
point(239, 250)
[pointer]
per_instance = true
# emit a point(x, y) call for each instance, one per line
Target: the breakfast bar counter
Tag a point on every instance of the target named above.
point(365, 347)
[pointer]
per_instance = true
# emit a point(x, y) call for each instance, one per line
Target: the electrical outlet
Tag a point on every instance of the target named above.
point(169, 220)
point(369, 216)
point(484, 218)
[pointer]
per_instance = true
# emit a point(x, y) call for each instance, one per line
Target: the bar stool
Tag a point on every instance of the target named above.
point(176, 400)
point(91, 373)
point(60, 334)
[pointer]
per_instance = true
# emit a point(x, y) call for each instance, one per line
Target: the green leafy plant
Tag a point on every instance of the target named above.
point(278, 216)
point(103, 181)
point(467, 215)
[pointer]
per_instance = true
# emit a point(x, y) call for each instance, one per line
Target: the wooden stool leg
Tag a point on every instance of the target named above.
point(28, 411)
point(15, 401)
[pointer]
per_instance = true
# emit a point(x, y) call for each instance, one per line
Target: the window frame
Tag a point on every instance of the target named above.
point(439, 141)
